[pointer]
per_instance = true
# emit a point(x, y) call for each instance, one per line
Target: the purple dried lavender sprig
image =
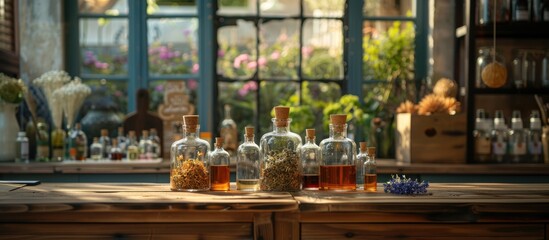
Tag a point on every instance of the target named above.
point(405, 186)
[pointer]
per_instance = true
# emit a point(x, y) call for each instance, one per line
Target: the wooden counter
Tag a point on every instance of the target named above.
point(152, 211)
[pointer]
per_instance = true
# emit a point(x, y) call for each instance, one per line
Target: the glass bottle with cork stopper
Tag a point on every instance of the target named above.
point(96, 149)
point(361, 158)
point(247, 164)
point(370, 171)
point(132, 147)
point(310, 154)
point(337, 164)
point(116, 152)
point(189, 159)
point(220, 173)
point(280, 165)
point(105, 142)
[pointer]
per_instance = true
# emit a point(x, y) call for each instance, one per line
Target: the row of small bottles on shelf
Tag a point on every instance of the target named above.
point(512, 10)
point(279, 163)
point(126, 147)
point(495, 142)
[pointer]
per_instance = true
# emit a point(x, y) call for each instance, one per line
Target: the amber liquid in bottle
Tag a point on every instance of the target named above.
point(338, 177)
point(220, 177)
point(310, 181)
point(370, 182)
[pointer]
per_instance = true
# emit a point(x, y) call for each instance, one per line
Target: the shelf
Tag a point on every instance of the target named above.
point(497, 91)
point(515, 30)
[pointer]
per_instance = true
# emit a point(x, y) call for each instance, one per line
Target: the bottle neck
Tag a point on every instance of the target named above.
point(310, 140)
point(191, 132)
point(249, 139)
point(281, 125)
point(338, 131)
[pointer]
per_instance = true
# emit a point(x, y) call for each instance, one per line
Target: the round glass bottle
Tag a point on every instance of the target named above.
point(247, 164)
point(310, 154)
point(484, 58)
point(279, 151)
point(220, 173)
point(189, 159)
point(337, 164)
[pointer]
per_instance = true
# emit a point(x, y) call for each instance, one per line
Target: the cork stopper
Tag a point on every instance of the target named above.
point(338, 121)
point(249, 131)
point(363, 146)
point(190, 123)
point(218, 141)
point(131, 133)
point(104, 132)
point(310, 133)
point(281, 116)
point(145, 133)
point(371, 151)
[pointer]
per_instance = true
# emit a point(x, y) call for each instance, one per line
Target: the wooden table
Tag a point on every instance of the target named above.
point(152, 211)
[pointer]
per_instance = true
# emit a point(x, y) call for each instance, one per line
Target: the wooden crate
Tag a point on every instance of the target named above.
point(439, 138)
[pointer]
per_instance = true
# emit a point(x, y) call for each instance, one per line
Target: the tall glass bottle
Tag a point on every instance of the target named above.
point(370, 171)
point(155, 148)
point(310, 160)
point(122, 139)
point(483, 146)
point(106, 143)
point(517, 139)
point(22, 153)
point(79, 143)
point(96, 149)
point(499, 138)
point(337, 165)
point(229, 132)
point(361, 158)
point(58, 144)
point(220, 173)
point(534, 138)
point(280, 165)
point(42, 143)
point(247, 163)
point(132, 148)
point(116, 153)
point(145, 145)
point(189, 159)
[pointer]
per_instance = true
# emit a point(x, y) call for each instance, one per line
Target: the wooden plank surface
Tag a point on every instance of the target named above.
point(5, 187)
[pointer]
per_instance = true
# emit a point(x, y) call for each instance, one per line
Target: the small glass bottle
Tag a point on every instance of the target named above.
point(155, 149)
point(517, 139)
point(482, 138)
point(220, 173)
point(280, 165)
point(144, 145)
point(337, 165)
point(58, 144)
point(96, 149)
point(361, 158)
point(500, 138)
point(370, 171)
point(521, 10)
point(229, 132)
point(247, 163)
point(132, 149)
point(42, 143)
point(534, 138)
point(106, 143)
point(524, 69)
point(121, 139)
point(310, 159)
point(79, 143)
point(116, 152)
point(189, 159)
point(22, 147)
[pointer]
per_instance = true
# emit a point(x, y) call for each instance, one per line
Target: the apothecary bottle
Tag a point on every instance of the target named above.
point(106, 143)
point(189, 159)
point(370, 171)
point(310, 160)
point(220, 173)
point(361, 158)
point(96, 149)
point(524, 69)
point(247, 163)
point(229, 132)
point(132, 147)
point(337, 164)
point(280, 165)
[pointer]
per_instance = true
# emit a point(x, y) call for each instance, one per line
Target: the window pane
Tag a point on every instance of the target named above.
point(172, 46)
point(183, 96)
point(237, 50)
point(323, 49)
point(110, 7)
point(241, 96)
point(323, 8)
point(237, 7)
point(104, 46)
point(171, 7)
point(315, 97)
point(273, 94)
point(389, 8)
point(279, 49)
point(279, 8)
point(388, 50)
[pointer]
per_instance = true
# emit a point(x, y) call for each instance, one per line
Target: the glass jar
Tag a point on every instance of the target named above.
point(310, 159)
point(247, 164)
point(524, 69)
point(220, 173)
point(484, 58)
point(337, 165)
point(279, 151)
point(189, 159)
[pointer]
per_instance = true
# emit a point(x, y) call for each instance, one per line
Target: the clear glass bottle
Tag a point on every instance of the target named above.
point(484, 58)
point(122, 139)
point(58, 144)
point(189, 159)
point(22, 154)
point(482, 138)
point(116, 153)
point(370, 171)
point(220, 173)
point(534, 138)
point(79, 143)
point(310, 160)
point(337, 165)
point(229, 132)
point(42, 143)
point(145, 145)
point(499, 138)
point(106, 143)
point(96, 149)
point(517, 139)
point(361, 158)
point(247, 163)
point(155, 149)
point(132, 149)
point(524, 69)
point(280, 165)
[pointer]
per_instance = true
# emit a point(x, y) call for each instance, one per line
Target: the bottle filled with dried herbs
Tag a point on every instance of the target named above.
point(189, 159)
point(279, 151)
point(337, 164)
